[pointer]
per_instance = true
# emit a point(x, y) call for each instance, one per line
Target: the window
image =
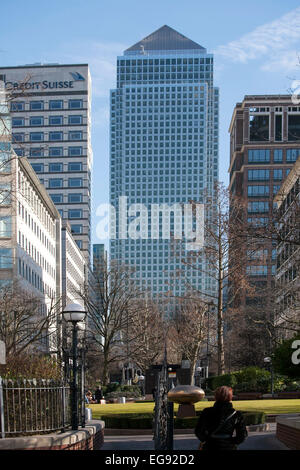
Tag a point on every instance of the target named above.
point(18, 137)
point(76, 229)
point(79, 243)
point(5, 194)
point(5, 226)
point(74, 151)
point(258, 206)
point(36, 136)
point(292, 155)
point(20, 152)
point(17, 122)
point(55, 136)
point(38, 167)
point(293, 127)
point(74, 166)
point(74, 197)
point(75, 213)
point(55, 120)
point(36, 105)
point(56, 104)
point(17, 106)
point(277, 174)
point(259, 155)
point(75, 135)
point(257, 270)
point(36, 121)
point(75, 119)
point(75, 182)
point(56, 151)
point(276, 188)
point(6, 261)
point(75, 104)
point(254, 191)
point(55, 183)
point(5, 156)
point(55, 167)
point(278, 127)
point(57, 198)
point(278, 155)
point(36, 152)
point(258, 175)
point(259, 128)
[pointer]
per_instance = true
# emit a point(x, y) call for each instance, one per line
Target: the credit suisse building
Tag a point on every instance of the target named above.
point(51, 108)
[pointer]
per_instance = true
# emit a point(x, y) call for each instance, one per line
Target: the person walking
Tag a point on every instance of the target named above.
point(98, 394)
point(221, 427)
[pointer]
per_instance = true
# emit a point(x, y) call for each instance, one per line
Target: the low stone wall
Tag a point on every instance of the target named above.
point(288, 431)
point(89, 438)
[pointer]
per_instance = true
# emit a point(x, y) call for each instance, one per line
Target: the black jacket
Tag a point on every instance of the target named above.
point(211, 418)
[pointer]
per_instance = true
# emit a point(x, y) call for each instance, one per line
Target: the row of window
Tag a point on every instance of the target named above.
point(34, 279)
point(53, 136)
point(264, 174)
point(35, 227)
point(261, 270)
point(196, 60)
point(260, 127)
point(52, 120)
point(56, 167)
point(59, 182)
point(52, 151)
point(263, 155)
point(72, 198)
point(256, 191)
point(35, 254)
point(40, 105)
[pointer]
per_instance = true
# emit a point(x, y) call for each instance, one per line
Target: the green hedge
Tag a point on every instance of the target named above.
point(249, 379)
point(145, 421)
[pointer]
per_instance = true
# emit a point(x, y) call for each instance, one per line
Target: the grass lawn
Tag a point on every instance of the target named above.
point(268, 406)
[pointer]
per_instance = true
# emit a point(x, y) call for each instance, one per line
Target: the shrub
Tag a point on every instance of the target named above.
point(227, 379)
point(25, 366)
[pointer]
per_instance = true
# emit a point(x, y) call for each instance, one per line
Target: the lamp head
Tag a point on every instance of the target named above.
point(74, 313)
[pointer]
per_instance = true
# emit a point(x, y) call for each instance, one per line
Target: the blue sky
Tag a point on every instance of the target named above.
point(256, 46)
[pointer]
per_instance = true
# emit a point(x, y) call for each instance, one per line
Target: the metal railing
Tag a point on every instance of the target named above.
point(33, 406)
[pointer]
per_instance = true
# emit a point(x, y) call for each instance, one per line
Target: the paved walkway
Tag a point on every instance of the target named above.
point(255, 441)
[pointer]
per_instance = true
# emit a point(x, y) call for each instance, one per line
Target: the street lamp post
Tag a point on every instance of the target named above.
point(74, 313)
point(268, 360)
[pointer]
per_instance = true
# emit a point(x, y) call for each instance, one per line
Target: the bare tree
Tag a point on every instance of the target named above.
point(145, 338)
point(188, 330)
point(223, 257)
point(110, 298)
point(26, 322)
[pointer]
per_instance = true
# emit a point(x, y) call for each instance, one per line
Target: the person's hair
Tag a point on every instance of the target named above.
point(223, 394)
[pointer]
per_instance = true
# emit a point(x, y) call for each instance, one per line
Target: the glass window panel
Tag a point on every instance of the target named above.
point(259, 128)
point(294, 127)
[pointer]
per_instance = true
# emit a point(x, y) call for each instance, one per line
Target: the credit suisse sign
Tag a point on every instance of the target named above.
point(45, 84)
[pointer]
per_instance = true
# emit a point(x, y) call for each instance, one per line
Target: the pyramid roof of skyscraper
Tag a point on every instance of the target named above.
point(165, 39)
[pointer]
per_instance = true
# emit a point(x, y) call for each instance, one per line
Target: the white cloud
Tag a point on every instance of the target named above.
point(276, 40)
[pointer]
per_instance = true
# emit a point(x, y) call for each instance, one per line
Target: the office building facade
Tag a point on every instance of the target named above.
point(50, 108)
point(164, 151)
point(264, 145)
point(287, 283)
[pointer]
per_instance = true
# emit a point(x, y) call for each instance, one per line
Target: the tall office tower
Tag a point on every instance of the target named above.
point(50, 107)
point(99, 255)
point(164, 151)
point(264, 144)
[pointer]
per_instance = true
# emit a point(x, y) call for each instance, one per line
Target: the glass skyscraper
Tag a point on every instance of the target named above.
point(164, 151)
